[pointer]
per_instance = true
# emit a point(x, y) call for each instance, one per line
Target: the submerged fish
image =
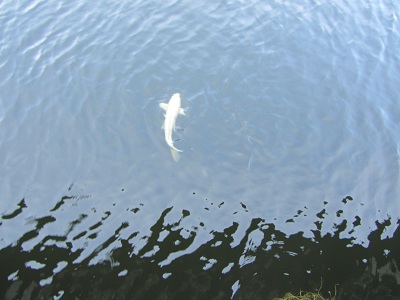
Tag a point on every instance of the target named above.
point(172, 110)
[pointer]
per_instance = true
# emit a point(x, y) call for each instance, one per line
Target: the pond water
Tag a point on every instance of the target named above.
point(290, 159)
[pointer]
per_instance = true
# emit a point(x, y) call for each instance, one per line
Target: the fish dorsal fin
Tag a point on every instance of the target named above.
point(164, 106)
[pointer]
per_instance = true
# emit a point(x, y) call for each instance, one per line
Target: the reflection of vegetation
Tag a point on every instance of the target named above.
point(302, 296)
point(305, 296)
point(262, 263)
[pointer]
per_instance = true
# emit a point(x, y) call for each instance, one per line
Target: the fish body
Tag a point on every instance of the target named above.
point(172, 110)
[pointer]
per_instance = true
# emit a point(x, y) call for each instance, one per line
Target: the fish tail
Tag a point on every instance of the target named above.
point(171, 145)
point(176, 149)
point(175, 154)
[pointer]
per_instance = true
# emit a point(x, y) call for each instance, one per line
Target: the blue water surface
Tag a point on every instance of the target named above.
point(292, 106)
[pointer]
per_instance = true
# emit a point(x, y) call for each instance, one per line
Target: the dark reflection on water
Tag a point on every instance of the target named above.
point(264, 269)
point(292, 103)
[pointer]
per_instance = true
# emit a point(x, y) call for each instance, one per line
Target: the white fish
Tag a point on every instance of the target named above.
point(172, 110)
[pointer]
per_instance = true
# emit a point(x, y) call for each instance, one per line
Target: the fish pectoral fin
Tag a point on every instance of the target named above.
point(182, 112)
point(164, 106)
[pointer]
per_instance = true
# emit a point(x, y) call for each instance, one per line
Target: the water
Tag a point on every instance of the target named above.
point(292, 107)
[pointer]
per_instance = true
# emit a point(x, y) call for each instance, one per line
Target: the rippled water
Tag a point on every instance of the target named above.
point(292, 137)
